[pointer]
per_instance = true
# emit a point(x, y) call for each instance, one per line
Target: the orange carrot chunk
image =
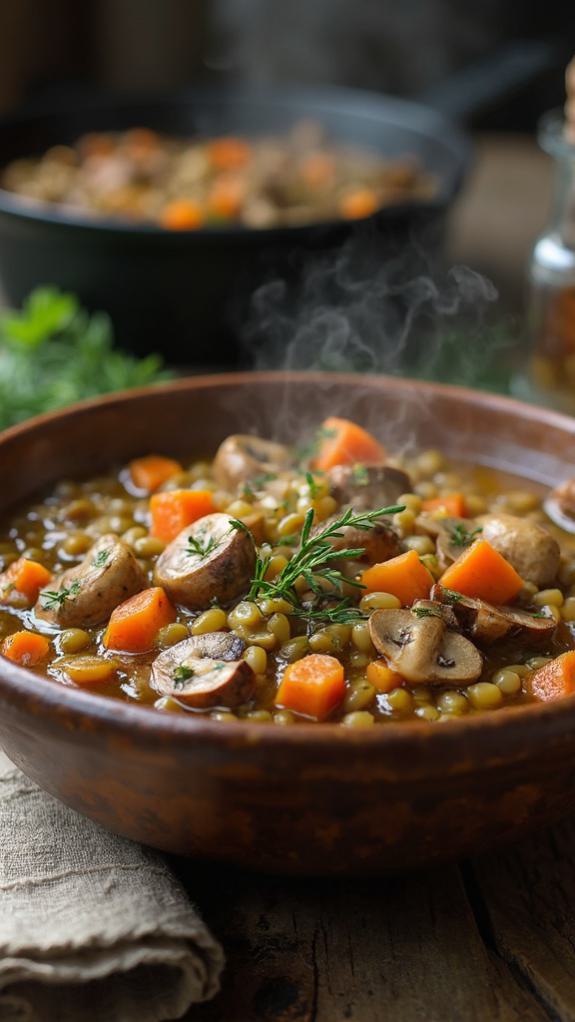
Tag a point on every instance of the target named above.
point(382, 677)
point(481, 572)
point(359, 202)
point(181, 215)
point(313, 686)
point(403, 576)
point(226, 197)
point(452, 505)
point(151, 472)
point(228, 153)
point(26, 577)
point(556, 679)
point(26, 648)
point(134, 625)
point(342, 442)
point(173, 510)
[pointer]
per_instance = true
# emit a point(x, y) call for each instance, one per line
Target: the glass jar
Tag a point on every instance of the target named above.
point(551, 309)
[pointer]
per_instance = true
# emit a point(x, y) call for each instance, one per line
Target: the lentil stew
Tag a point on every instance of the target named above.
point(287, 586)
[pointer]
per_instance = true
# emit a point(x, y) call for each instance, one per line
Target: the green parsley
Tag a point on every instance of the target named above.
point(181, 675)
point(101, 558)
point(53, 353)
point(426, 612)
point(56, 598)
point(451, 595)
point(360, 475)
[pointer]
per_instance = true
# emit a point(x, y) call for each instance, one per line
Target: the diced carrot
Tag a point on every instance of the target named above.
point(226, 197)
point(403, 576)
point(556, 679)
point(26, 648)
point(453, 505)
point(150, 472)
point(173, 510)
point(318, 170)
point(342, 442)
point(134, 625)
point(181, 215)
point(313, 685)
point(360, 202)
point(229, 153)
point(382, 677)
point(481, 572)
point(26, 577)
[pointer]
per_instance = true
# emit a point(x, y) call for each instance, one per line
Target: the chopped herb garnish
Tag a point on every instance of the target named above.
point(101, 558)
point(360, 475)
point(426, 611)
point(452, 596)
point(460, 536)
point(181, 675)
point(52, 598)
point(197, 548)
point(315, 562)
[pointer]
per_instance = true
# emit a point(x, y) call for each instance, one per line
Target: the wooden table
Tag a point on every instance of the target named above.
point(490, 940)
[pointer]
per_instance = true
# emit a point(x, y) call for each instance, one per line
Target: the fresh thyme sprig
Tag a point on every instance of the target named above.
point(197, 548)
point(315, 561)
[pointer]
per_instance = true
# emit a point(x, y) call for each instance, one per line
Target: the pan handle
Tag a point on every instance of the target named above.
point(475, 88)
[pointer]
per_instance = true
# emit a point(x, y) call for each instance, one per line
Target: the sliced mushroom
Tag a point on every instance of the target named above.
point(560, 505)
point(241, 458)
point(367, 486)
point(532, 551)
point(86, 595)
point(430, 608)
point(208, 559)
point(487, 624)
point(205, 671)
point(380, 542)
point(423, 650)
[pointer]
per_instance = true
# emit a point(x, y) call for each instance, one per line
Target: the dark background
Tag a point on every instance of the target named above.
point(410, 48)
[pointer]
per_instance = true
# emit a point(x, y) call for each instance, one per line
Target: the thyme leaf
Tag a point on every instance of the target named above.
point(56, 598)
point(460, 536)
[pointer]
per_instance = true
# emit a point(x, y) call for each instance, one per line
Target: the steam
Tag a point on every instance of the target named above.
point(399, 318)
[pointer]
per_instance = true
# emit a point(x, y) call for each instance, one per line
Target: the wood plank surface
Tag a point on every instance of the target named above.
point(409, 949)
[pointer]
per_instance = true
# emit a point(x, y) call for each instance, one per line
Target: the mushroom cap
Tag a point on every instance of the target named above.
point(205, 671)
point(367, 487)
point(531, 549)
point(242, 457)
point(422, 649)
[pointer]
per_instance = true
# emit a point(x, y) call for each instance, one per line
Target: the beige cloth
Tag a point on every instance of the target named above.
point(93, 928)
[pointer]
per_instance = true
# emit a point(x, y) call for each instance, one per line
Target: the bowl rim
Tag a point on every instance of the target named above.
point(46, 695)
point(321, 98)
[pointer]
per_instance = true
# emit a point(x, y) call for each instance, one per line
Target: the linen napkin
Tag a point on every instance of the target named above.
point(93, 927)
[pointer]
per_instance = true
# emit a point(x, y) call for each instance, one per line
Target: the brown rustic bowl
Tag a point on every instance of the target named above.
point(314, 799)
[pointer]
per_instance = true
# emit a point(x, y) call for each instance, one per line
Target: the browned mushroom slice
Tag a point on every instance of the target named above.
point(560, 505)
point(209, 559)
point(205, 671)
point(532, 551)
point(486, 623)
point(241, 459)
point(428, 608)
point(379, 543)
point(423, 650)
point(367, 486)
point(86, 595)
